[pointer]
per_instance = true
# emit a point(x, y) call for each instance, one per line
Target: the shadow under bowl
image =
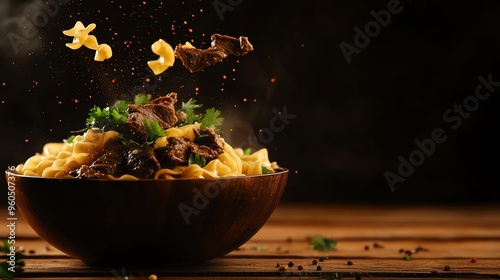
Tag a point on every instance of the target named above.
point(163, 222)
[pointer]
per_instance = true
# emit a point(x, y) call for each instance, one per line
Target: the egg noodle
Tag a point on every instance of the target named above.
point(57, 160)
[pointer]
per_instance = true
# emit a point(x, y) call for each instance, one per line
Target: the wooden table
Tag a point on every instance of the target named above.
point(373, 237)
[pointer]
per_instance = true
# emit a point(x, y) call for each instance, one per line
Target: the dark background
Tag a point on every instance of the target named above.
point(352, 120)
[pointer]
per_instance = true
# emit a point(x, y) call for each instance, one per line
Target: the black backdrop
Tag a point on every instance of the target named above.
point(354, 93)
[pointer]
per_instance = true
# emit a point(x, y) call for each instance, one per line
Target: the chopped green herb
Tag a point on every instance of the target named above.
point(211, 118)
point(188, 109)
point(407, 258)
point(7, 271)
point(247, 151)
point(109, 116)
point(141, 99)
point(196, 159)
point(260, 248)
point(322, 243)
point(264, 170)
point(154, 129)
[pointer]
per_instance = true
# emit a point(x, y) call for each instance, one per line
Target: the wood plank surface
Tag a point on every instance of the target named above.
point(372, 237)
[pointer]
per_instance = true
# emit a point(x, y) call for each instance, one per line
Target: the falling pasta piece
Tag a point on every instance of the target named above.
point(91, 43)
point(166, 59)
point(71, 32)
point(103, 52)
point(81, 37)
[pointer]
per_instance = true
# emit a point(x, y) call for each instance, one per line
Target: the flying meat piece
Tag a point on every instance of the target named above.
point(222, 45)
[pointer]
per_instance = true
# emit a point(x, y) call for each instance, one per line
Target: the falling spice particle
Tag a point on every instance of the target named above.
point(447, 268)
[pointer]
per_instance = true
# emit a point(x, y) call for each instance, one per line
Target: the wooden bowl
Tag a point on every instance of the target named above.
point(164, 222)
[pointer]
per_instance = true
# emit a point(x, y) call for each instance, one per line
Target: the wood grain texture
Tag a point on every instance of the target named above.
point(450, 236)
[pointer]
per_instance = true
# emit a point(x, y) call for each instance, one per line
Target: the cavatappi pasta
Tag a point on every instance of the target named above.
point(57, 160)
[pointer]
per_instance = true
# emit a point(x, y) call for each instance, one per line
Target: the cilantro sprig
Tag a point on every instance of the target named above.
point(7, 271)
point(102, 118)
point(211, 118)
point(154, 130)
point(322, 243)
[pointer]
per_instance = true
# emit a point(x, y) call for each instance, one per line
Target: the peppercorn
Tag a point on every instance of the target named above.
point(349, 263)
point(318, 267)
point(290, 264)
point(300, 267)
point(322, 259)
point(447, 268)
point(367, 247)
point(314, 262)
point(473, 260)
point(401, 250)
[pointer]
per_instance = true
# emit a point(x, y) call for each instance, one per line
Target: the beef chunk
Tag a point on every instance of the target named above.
point(208, 137)
point(174, 154)
point(178, 150)
point(119, 160)
point(222, 45)
point(160, 109)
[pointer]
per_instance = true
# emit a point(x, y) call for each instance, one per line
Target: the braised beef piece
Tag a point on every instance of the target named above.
point(178, 150)
point(160, 109)
point(118, 160)
point(222, 45)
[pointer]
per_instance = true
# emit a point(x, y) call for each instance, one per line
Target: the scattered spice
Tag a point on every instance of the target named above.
point(349, 263)
point(376, 245)
point(401, 250)
point(473, 260)
point(290, 264)
point(300, 267)
point(283, 267)
point(367, 247)
point(318, 267)
point(408, 252)
point(315, 262)
point(321, 259)
point(278, 265)
point(31, 251)
point(447, 268)
point(420, 248)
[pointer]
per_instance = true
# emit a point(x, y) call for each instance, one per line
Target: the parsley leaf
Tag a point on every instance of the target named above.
point(211, 119)
point(5, 268)
point(141, 99)
point(188, 109)
point(264, 170)
point(110, 116)
point(196, 159)
point(154, 129)
point(321, 243)
point(247, 151)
